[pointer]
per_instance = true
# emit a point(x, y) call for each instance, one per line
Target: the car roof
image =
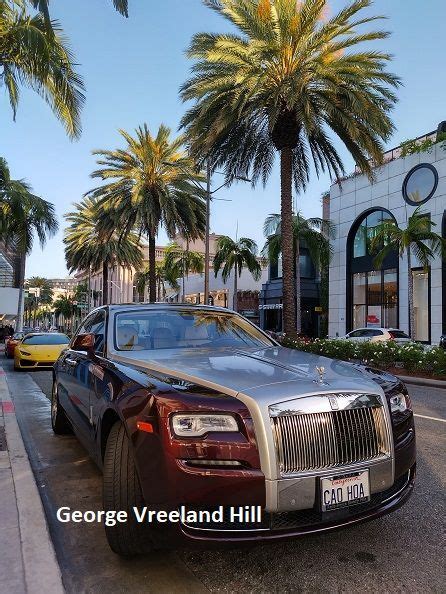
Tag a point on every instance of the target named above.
point(161, 304)
point(377, 328)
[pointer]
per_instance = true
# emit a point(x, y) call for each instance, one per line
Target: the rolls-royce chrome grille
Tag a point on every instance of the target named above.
point(308, 441)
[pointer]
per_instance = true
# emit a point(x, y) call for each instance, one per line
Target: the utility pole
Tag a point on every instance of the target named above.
point(206, 241)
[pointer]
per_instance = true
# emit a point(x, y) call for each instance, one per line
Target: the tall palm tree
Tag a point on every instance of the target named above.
point(43, 62)
point(314, 232)
point(87, 249)
point(417, 238)
point(22, 216)
point(179, 262)
point(285, 79)
point(234, 256)
point(154, 184)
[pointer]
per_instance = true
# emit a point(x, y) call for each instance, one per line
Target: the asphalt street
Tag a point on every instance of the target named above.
point(400, 552)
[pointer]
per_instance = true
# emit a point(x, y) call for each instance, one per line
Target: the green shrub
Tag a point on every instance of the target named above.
point(413, 357)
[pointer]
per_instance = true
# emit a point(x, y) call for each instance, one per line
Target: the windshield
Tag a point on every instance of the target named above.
point(17, 336)
point(147, 330)
point(46, 339)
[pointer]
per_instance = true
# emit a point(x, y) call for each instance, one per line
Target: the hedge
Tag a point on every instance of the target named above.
point(412, 356)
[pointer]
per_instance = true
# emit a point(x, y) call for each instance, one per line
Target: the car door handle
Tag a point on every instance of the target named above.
point(70, 361)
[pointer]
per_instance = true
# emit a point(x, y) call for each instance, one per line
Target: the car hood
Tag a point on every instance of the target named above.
point(278, 371)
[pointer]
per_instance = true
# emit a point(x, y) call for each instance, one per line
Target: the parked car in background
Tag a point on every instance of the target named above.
point(11, 342)
point(193, 408)
point(377, 335)
point(39, 349)
point(443, 341)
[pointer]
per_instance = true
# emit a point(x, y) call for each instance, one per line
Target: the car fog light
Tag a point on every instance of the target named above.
point(399, 403)
point(196, 425)
point(202, 462)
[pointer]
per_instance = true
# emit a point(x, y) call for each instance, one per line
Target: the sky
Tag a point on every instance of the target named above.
point(133, 69)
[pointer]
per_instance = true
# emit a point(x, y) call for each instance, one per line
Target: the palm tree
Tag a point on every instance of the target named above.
point(162, 276)
point(22, 216)
point(42, 6)
point(234, 256)
point(418, 239)
point(179, 262)
point(43, 62)
point(281, 82)
point(64, 306)
point(46, 290)
point(45, 294)
point(87, 249)
point(314, 232)
point(155, 184)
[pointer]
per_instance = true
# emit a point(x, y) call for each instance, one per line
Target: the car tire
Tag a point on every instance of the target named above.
point(122, 491)
point(59, 420)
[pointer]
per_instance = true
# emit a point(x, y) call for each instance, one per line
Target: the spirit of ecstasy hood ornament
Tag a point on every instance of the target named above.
point(321, 372)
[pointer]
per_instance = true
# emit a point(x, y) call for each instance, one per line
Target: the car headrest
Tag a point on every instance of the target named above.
point(162, 338)
point(196, 333)
point(127, 337)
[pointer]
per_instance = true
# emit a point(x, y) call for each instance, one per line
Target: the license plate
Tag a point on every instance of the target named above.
point(344, 490)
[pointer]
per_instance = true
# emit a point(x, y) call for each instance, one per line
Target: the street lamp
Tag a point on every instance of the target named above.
point(209, 194)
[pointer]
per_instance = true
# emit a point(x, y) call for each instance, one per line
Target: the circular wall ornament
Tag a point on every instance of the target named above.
point(420, 184)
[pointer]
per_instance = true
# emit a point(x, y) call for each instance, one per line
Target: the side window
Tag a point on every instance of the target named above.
point(376, 333)
point(84, 328)
point(356, 333)
point(94, 324)
point(97, 327)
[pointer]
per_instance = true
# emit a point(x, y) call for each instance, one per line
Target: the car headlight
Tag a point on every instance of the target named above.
point(399, 403)
point(196, 425)
point(25, 353)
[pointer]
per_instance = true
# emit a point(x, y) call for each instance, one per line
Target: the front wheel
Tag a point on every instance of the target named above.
point(122, 491)
point(59, 420)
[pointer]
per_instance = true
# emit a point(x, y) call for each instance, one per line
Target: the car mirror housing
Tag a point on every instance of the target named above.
point(83, 342)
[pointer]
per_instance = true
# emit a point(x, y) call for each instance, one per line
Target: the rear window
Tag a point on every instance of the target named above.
point(49, 339)
point(398, 334)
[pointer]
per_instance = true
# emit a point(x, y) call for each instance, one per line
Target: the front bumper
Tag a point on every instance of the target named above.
point(286, 525)
point(32, 364)
point(290, 524)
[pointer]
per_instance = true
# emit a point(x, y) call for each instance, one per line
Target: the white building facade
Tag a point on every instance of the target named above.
point(362, 295)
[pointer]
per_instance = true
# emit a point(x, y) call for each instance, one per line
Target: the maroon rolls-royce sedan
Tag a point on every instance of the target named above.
point(207, 430)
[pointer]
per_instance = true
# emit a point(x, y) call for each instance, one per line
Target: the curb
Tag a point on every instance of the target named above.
point(42, 572)
point(421, 381)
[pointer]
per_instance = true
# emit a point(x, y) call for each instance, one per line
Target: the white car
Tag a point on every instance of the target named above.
point(377, 335)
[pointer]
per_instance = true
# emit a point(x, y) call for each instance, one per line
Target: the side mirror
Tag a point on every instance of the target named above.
point(83, 342)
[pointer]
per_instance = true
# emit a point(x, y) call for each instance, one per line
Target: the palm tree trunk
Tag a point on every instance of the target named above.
point(234, 299)
point(298, 287)
point(288, 281)
point(410, 287)
point(152, 271)
point(104, 283)
point(19, 325)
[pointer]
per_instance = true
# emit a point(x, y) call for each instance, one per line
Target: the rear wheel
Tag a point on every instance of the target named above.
point(59, 420)
point(122, 491)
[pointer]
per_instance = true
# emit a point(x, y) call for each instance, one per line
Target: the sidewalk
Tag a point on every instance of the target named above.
point(28, 563)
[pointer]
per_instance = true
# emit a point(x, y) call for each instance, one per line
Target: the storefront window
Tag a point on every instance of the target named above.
point(374, 293)
point(375, 299)
point(390, 299)
point(421, 304)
